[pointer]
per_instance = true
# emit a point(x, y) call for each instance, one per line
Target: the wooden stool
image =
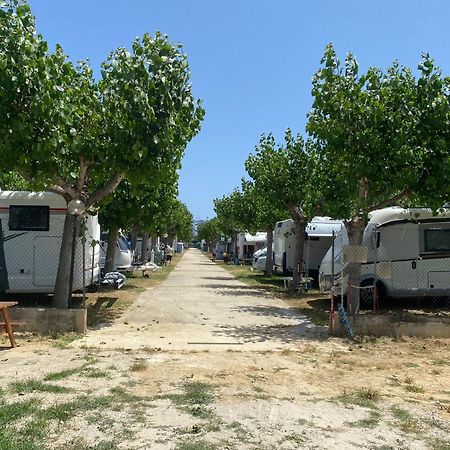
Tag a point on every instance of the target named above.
point(7, 322)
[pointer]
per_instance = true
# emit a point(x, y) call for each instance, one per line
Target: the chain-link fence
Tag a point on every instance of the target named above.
point(86, 258)
point(401, 266)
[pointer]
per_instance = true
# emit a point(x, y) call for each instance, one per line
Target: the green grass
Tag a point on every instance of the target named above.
point(63, 340)
point(20, 387)
point(138, 365)
point(196, 445)
point(370, 422)
point(406, 421)
point(95, 373)
point(62, 374)
point(365, 397)
point(194, 399)
point(440, 444)
point(414, 388)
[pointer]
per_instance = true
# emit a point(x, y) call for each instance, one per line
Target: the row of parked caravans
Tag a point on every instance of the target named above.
point(407, 251)
point(31, 225)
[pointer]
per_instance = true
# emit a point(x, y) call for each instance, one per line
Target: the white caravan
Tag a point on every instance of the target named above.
point(123, 259)
point(319, 235)
point(248, 244)
point(411, 249)
point(259, 259)
point(32, 226)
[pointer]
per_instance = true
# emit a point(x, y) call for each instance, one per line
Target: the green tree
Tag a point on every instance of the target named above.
point(377, 135)
point(265, 213)
point(284, 176)
point(66, 133)
point(232, 213)
point(209, 231)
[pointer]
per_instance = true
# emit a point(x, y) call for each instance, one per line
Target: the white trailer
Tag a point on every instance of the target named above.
point(319, 235)
point(248, 244)
point(407, 254)
point(32, 226)
point(123, 259)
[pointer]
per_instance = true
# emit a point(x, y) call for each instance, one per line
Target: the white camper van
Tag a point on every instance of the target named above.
point(123, 259)
point(319, 234)
point(248, 244)
point(32, 226)
point(411, 249)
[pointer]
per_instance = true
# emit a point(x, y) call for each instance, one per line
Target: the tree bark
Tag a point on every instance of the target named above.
point(134, 236)
point(144, 248)
point(63, 288)
point(269, 262)
point(110, 260)
point(300, 223)
point(355, 230)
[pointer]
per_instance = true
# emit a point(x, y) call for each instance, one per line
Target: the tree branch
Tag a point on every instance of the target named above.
point(68, 189)
point(84, 166)
point(107, 189)
point(383, 204)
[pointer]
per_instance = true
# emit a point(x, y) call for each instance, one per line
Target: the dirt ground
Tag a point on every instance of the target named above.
point(311, 392)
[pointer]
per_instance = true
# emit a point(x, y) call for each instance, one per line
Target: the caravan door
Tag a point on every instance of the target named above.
point(399, 244)
point(434, 264)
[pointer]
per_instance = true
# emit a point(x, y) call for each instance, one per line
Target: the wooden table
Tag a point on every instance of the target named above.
point(7, 322)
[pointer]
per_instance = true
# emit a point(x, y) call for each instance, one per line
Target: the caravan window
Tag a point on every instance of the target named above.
point(437, 240)
point(29, 218)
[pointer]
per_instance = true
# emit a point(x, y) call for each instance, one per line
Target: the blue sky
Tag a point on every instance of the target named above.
point(251, 61)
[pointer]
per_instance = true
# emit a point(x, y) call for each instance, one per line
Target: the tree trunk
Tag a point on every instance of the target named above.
point(63, 287)
point(110, 261)
point(144, 248)
point(355, 230)
point(269, 262)
point(134, 236)
point(300, 223)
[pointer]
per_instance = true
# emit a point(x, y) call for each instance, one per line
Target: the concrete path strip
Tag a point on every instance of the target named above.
point(201, 306)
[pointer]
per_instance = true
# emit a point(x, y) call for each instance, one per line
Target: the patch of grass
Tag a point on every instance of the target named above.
point(95, 373)
point(196, 445)
point(13, 412)
point(194, 399)
point(414, 388)
point(441, 362)
point(138, 365)
point(406, 421)
point(10, 440)
point(370, 422)
point(368, 393)
point(82, 444)
point(440, 444)
point(63, 340)
point(60, 375)
point(295, 438)
point(20, 387)
point(365, 397)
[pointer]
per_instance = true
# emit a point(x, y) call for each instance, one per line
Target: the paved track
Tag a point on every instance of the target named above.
point(201, 306)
